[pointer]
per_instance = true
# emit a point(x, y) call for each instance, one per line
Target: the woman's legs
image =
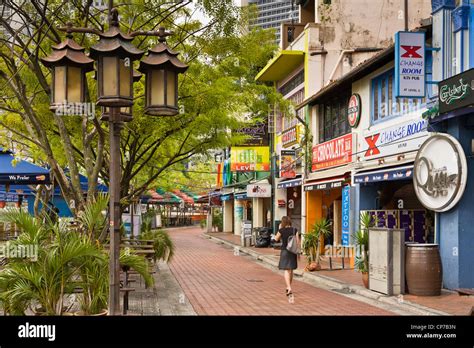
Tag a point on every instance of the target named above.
point(288, 278)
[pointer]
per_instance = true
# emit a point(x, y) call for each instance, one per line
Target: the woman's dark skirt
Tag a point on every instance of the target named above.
point(287, 260)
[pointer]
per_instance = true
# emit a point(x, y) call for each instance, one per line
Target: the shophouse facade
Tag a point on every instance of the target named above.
point(340, 46)
point(452, 114)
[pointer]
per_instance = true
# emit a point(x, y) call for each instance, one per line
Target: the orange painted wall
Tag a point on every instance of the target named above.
point(314, 205)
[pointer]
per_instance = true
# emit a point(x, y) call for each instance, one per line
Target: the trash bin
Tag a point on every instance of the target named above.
point(263, 237)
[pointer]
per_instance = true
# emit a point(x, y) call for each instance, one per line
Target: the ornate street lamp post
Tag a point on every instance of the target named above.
point(114, 55)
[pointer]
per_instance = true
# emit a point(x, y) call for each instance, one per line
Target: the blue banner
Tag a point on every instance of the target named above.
point(346, 211)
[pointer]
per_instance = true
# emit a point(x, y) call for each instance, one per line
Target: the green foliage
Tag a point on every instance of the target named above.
point(361, 239)
point(217, 89)
point(66, 259)
point(92, 219)
point(218, 220)
point(312, 240)
point(162, 244)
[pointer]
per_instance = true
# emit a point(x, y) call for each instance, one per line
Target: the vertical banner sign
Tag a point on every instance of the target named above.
point(219, 175)
point(346, 210)
point(409, 64)
point(288, 164)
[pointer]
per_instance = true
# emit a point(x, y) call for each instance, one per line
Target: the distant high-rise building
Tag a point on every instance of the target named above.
point(271, 13)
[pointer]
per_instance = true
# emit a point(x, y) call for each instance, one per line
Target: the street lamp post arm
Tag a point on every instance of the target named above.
point(70, 29)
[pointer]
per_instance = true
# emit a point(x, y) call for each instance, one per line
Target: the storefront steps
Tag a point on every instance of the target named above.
point(397, 304)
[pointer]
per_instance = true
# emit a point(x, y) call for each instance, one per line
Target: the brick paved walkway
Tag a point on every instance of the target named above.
point(217, 282)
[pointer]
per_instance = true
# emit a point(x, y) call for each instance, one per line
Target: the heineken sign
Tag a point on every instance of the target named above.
point(456, 92)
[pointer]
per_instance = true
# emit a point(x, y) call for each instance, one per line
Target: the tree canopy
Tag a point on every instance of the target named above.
point(218, 88)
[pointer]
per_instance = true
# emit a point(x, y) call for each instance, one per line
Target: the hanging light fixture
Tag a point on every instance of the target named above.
point(161, 67)
point(115, 54)
point(69, 65)
point(125, 111)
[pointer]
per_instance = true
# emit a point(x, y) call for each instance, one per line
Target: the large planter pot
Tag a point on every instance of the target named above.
point(313, 266)
point(365, 279)
point(38, 311)
point(423, 269)
point(103, 313)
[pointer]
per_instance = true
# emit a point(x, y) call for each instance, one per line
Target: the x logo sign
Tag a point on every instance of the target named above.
point(373, 149)
point(411, 52)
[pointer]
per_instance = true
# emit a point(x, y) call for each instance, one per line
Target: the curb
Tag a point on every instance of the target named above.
point(336, 284)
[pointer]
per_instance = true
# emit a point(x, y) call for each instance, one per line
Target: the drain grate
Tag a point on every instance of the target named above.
point(255, 280)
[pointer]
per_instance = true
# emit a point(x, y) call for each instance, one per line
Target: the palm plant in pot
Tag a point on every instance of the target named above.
point(361, 239)
point(312, 243)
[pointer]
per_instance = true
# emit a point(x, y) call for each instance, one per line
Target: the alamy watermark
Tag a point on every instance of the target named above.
point(76, 109)
point(21, 251)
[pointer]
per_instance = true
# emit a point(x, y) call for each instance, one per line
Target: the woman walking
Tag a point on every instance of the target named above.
point(288, 260)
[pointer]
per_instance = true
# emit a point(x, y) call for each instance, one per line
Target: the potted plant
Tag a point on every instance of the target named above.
point(162, 244)
point(361, 239)
point(217, 222)
point(312, 243)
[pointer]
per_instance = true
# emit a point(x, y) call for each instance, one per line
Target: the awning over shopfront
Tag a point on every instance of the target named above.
point(22, 173)
point(280, 66)
point(290, 183)
point(327, 184)
point(388, 174)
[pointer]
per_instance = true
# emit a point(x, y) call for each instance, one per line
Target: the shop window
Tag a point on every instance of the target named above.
point(332, 118)
point(384, 103)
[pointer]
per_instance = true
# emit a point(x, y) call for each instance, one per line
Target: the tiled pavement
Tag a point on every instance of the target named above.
point(217, 282)
point(449, 302)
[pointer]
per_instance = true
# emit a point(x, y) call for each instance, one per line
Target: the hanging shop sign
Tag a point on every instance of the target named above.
point(404, 137)
point(240, 195)
point(288, 164)
point(410, 64)
point(333, 153)
point(259, 190)
point(346, 212)
point(257, 134)
point(290, 136)
point(440, 172)
point(325, 185)
point(400, 173)
point(354, 110)
point(250, 159)
point(456, 92)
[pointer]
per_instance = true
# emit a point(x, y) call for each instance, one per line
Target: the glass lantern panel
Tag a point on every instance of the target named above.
point(157, 87)
point(171, 88)
point(109, 76)
point(59, 84)
point(125, 77)
point(74, 85)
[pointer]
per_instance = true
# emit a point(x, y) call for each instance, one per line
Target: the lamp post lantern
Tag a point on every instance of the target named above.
point(69, 65)
point(161, 67)
point(114, 55)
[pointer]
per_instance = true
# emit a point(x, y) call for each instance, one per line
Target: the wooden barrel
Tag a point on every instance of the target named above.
point(424, 273)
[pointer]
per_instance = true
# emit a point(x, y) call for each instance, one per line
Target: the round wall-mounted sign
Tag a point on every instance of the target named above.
point(440, 172)
point(353, 110)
